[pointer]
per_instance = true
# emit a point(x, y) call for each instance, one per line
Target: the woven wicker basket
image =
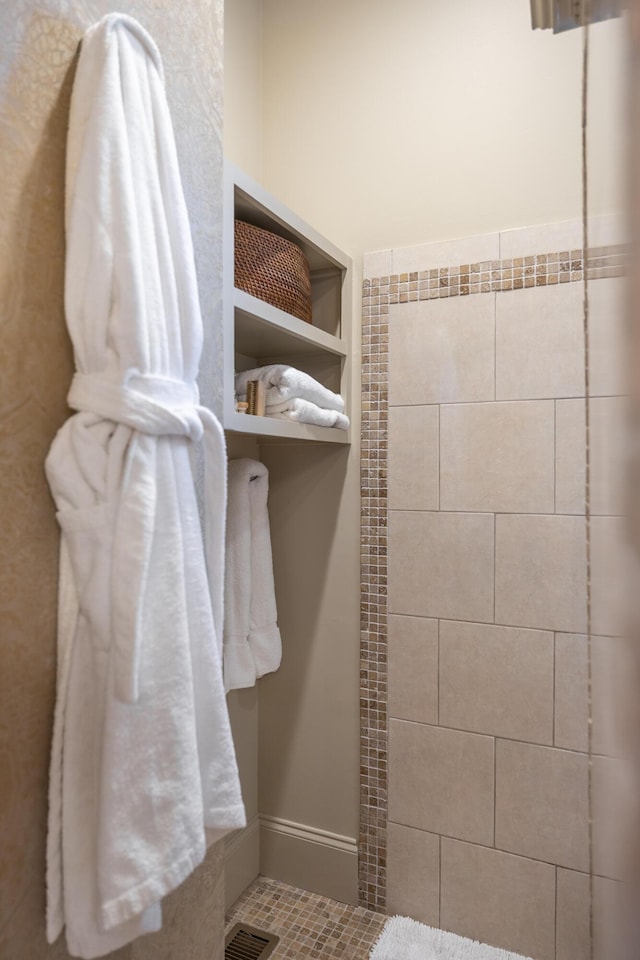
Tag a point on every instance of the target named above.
point(272, 269)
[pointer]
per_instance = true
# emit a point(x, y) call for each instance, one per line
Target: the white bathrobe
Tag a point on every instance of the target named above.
point(143, 764)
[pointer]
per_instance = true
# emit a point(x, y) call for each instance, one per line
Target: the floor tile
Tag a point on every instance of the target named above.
point(308, 925)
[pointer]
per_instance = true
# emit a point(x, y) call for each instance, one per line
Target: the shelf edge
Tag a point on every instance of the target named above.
point(274, 317)
point(271, 429)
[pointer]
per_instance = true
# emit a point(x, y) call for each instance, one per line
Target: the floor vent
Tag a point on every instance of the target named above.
point(246, 943)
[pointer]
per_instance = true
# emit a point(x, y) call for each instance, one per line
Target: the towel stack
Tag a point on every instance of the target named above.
point(294, 395)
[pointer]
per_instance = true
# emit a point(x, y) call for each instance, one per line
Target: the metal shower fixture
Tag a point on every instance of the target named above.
point(561, 15)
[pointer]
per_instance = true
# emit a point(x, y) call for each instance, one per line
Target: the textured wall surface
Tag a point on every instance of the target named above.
point(38, 47)
point(476, 814)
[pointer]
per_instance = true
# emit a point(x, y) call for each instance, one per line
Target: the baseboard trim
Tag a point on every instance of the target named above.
point(310, 858)
point(309, 834)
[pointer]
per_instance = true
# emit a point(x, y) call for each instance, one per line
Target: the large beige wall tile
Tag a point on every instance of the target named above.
point(608, 337)
point(607, 446)
point(570, 456)
point(541, 572)
point(611, 566)
point(441, 781)
point(413, 874)
point(446, 253)
point(571, 702)
point(442, 351)
point(544, 238)
point(539, 343)
point(497, 457)
point(441, 565)
point(615, 818)
point(413, 668)
point(541, 803)
point(413, 467)
point(573, 940)
point(608, 229)
point(497, 898)
point(376, 264)
point(497, 680)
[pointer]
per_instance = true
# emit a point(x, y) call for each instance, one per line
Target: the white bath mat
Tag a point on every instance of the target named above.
point(405, 939)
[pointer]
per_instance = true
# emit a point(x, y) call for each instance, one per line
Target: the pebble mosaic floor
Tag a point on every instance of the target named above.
point(308, 925)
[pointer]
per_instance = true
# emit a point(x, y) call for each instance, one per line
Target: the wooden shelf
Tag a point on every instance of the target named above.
point(283, 429)
point(264, 331)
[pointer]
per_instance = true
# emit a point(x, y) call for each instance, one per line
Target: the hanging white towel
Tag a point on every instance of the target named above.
point(142, 764)
point(284, 383)
point(303, 411)
point(252, 645)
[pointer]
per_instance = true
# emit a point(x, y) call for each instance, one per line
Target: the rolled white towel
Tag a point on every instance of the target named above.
point(284, 383)
point(303, 411)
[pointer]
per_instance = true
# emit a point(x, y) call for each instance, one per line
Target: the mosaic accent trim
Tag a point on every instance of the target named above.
point(377, 296)
point(308, 925)
point(518, 273)
point(373, 597)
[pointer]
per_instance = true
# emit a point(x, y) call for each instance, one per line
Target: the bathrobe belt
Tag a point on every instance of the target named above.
point(159, 407)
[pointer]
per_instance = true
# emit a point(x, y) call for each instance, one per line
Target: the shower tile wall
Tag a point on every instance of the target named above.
point(485, 785)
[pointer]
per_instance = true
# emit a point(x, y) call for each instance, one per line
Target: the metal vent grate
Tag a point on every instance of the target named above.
point(246, 943)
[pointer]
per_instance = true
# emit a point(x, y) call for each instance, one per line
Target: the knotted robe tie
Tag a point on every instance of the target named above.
point(158, 407)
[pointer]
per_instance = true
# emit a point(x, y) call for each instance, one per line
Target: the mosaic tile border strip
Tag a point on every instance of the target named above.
point(377, 295)
point(372, 844)
point(309, 925)
point(517, 273)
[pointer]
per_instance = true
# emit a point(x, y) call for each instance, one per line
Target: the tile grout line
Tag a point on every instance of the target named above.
point(508, 513)
point(485, 735)
point(438, 674)
point(529, 399)
point(555, 457)
point(439, 879)
point(495, 554)
point(555, 912)
point(495, 347)
point(506, 626)
point(505, 850)
point(439, 456)
point(553, 687)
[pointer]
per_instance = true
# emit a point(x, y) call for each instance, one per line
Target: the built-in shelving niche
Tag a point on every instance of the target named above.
point(256, 333)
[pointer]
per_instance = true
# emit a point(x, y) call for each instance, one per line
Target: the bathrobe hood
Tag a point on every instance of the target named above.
point(143, 766)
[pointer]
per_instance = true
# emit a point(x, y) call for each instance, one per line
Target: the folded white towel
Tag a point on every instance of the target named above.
point(285, 383)
point(302, 411)
point(252, 645)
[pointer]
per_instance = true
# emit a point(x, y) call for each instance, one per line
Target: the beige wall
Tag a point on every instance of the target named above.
point(308, 726)
point(242, 84)
point(38, 45)
point(390, 124)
